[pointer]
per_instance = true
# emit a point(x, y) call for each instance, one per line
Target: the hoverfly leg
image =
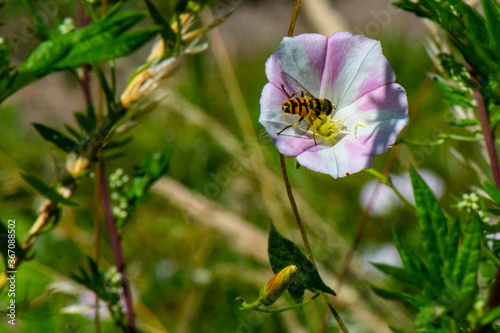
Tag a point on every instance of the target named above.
point(290, 126)
point(283, 88)
point(314, 130)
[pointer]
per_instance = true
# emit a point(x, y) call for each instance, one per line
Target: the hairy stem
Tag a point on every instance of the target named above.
point(116, 248)
point(335, 313)
point(290, 194)
point(294, 18)
point(295, 210)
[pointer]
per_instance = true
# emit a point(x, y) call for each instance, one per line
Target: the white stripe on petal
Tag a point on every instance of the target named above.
point(302, 57)
point(354, 66)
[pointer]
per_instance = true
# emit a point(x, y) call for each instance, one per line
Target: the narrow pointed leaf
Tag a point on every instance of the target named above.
point(492, 12)
point(433, 226)
point(47, 191)
point(41, 28)
point(492, 191)
point(106, 49)
point(397, 330)
point(452, 249)
point(400, 274)
point(166, 32)
point(490, 317)
point(74, 132)
point(57, 138)
point(411, 261)
point(465, 273)
point(283, 253)
point(4, 246)
point(395, 295)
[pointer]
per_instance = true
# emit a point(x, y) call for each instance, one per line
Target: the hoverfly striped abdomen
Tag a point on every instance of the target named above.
point(304, 106)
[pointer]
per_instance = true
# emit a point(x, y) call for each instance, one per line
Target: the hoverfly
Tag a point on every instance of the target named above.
point(306, 106)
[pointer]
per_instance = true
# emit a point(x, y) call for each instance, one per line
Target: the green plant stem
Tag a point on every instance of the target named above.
point(387, 181)
point(295, 210)
point(294, 18)
point(335, 313)
point(290, 194)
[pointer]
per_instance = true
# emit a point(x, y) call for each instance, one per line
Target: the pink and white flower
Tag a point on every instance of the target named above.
point(350, 71)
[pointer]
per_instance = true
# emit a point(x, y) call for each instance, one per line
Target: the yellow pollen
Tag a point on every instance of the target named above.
point(328, 128)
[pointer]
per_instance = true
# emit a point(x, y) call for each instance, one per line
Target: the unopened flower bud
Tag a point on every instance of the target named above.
point(277, 285)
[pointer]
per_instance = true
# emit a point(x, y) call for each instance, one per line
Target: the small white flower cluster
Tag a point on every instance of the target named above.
point(117, 180)
point(470, 203)
point(112, 282)
point(68, 25)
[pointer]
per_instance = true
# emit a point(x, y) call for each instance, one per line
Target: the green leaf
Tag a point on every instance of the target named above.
point(492, 12)
point(117, 144)
point(452, 249)
point(282, 253)
point(466, 267)
point(394, 295)
point(411, 261)
point(47, 191)
point(57, 138)
point(463, 122)
point(74, 132)
point(93, 50)
point(41, 28)
point(103, 82)
point(16, 249)
point(490, 317)
point(166, 31)
point(492, 191)
point(400, 274)
point(397, 330)
point(433, 226)
point(100, 41)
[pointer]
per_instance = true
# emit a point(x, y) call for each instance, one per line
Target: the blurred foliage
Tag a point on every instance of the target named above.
point(186, 275)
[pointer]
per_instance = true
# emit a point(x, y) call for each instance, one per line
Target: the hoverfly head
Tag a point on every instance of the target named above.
point(329, 107)
point(286, 107)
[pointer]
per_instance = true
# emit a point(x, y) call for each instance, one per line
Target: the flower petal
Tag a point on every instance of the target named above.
point(354, 67)
point(377, 117)
point(347, 156)
point(302, 57)
point(291, 142)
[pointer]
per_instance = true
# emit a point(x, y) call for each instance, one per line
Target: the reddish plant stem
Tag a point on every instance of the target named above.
point(117, 251)
point(489, 140)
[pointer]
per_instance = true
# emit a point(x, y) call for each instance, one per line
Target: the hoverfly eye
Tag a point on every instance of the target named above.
point(329, 107)
point(286, 108)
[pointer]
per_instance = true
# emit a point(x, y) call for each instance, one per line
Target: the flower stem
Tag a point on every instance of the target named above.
point(387, 181)
point(295, 210)
point(117, 251)
point(294, 18)
point(335, 313)
point(290, 194)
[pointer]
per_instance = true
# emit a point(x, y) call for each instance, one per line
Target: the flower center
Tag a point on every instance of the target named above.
point(329, 127)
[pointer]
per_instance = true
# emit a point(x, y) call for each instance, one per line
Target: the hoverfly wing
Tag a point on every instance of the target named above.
point(294, 84)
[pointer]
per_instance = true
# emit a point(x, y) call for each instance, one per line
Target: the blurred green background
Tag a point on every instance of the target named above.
point(189, 258)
